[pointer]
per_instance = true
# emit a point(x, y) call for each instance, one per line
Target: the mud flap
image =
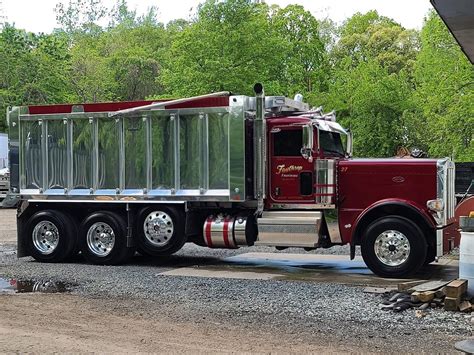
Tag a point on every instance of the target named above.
point(353, 251)
point(20, 241)
point(11, 200)
point(130, 223)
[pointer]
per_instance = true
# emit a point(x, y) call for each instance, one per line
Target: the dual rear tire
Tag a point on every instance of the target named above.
point(54, 236)
point(103, 239)
point(51, 236)
point(160, 231)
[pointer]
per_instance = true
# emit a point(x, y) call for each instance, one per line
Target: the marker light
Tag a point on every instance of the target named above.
point(435, 205)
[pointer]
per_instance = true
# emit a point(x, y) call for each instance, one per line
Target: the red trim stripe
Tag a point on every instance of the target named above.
point(219, 101)
point(225, 233)
point(208, 232)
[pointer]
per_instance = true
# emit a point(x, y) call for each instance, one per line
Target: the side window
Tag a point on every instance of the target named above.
point(288, 143)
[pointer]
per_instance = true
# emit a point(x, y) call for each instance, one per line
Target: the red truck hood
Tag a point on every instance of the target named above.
point(363, 182)
point(390, 161)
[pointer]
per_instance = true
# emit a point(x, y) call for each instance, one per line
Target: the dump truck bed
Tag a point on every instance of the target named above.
point(188, 151)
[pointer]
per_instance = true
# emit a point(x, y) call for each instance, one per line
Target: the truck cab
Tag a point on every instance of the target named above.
point(296, 146)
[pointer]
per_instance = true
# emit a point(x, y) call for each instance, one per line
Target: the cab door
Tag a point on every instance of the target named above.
point(291, 175)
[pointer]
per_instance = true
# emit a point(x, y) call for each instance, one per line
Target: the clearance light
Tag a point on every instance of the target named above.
point(435, 205)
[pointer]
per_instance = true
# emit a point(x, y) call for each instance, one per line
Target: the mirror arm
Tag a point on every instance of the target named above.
point(307, 153)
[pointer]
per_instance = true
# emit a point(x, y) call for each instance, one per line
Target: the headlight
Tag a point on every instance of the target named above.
point(435, 205)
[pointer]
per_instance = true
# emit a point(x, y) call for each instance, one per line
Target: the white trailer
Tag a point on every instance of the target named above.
point(4, 170)
point(3, 150)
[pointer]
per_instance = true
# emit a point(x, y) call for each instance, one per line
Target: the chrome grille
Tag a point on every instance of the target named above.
point(450, 197)
point(445, 190)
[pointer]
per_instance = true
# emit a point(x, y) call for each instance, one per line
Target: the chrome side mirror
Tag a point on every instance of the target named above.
point(349, 143)
point(308, 142)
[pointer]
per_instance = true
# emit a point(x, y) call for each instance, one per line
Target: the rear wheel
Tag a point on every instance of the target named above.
point(393, 246)
point(103, 239)
point(160, 231)
point(51, 236)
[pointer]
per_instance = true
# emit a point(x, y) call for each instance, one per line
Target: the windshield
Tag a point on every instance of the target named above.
point(331, 143)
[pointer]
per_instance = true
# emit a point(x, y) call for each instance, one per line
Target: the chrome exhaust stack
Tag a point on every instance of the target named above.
point(260, 147)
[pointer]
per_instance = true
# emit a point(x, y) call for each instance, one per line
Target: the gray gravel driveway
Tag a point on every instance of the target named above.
point(306, 310)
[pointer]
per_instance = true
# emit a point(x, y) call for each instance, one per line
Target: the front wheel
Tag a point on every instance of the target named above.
point(393, 247)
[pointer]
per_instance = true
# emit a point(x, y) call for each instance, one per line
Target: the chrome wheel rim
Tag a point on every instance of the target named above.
point(392, 248)
point(45, 237)
point(100, 239)
point(158, 228)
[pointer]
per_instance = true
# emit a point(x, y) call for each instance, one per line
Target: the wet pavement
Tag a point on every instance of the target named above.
point(306, 267)
point(12, 286)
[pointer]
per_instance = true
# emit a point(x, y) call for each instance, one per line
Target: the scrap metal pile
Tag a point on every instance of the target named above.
point(422, 295)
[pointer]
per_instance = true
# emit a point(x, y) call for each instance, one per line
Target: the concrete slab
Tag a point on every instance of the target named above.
point(223, 274)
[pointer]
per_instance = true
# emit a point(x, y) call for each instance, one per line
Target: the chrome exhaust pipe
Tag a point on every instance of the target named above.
point(260, 146)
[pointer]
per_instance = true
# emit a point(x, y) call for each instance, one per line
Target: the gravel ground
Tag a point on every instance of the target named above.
point(329, 312)
point(340, 312)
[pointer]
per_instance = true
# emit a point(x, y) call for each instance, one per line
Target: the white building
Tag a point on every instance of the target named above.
point(3, 150)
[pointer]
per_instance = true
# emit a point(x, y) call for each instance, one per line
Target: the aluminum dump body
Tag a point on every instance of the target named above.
point(192, 151)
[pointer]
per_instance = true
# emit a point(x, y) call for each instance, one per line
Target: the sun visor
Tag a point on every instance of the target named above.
point(329, 126)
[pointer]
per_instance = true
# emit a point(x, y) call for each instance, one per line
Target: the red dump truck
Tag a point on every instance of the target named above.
point(218, 170)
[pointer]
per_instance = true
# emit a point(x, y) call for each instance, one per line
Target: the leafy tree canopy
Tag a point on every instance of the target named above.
point(393, 86)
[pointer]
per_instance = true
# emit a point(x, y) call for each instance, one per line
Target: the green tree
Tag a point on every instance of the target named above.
point(91, 77)
point(369, 36)
point(304, 67)
point(135, 48)
point(33, 70)
point(372, 101)
point(371, 83)
point(120, 62)
point(80, 15)
point(228, 46)
point(444, 93)
point(394, 87)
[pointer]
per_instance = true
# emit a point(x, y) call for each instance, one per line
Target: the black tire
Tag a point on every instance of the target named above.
point(430, 255)
point(156, 244)
point(410, 262)
point(106, 222)
point(62, 239)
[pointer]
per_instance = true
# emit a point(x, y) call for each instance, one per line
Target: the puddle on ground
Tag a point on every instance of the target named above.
point(296, 266)
point(355, 272)
point(28, 286)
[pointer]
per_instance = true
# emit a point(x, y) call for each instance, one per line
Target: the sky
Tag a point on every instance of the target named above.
point(39, 16)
